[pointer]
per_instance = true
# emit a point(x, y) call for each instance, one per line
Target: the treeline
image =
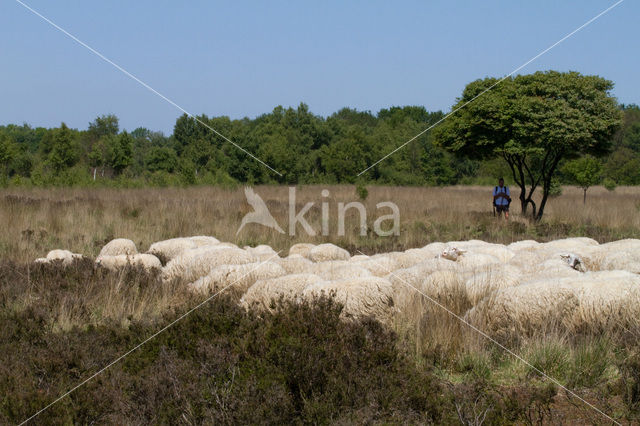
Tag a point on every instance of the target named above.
point(303, 147)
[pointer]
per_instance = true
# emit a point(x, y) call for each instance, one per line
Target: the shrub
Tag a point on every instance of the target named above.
point(609, 184)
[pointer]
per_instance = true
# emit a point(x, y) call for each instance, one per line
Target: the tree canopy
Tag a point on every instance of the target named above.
point(533, 122)
point(521, 120)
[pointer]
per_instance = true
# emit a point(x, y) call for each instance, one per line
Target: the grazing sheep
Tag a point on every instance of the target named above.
point(239, 277)
point(172, 248)
point(607, 301)
point(325, 252)
point(574, 261)
point(529, 260)
point(338, 269)
point(358, 258)
point(569, 243)
point(379, 265)
point(263, 293)
point(472, 262)
point(117, 247)
point(406, 259)
point(502, 253)
point(262, 253)
point(302, 249)
point(494, 277)
point(294, 264)
point(204, 240)
point(114, 263)
point(451, 253)
point(198, 262)
point(65, 257)
point(523, 245)
point(431, 250)
point(361, 297)
point(410, 282)
point(524, 310)
point(628, 261)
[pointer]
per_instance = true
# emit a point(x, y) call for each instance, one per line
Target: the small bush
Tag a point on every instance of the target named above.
point(609, 184)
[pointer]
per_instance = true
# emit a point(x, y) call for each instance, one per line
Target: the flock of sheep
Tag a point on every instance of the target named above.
point(524, 287)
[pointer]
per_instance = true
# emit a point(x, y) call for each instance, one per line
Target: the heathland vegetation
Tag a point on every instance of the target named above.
point(298, 363)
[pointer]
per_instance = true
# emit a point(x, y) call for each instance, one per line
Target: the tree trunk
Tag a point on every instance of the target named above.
point(584, 196)
point(94, 173)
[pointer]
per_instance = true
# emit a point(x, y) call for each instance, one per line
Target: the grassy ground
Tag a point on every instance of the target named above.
point(58, 326)
point(82, 220)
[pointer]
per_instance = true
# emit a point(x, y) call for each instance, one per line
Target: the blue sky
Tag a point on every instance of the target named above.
point(243, 58)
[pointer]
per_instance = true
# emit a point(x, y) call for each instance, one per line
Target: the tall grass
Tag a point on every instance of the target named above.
point(82, 220)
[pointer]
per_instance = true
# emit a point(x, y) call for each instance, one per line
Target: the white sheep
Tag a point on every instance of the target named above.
point(502, 253)
point(523, 245)
point(302, 249)
point(64, 257)
point(239, 277)
point(607, 301)
point(471, 262)
point(570, 244)
point(359, 257)
point(117, 262)
point(263, 293)
point(172, 248)
point(294, 264)
point(628, 261)
point(262, 253)
point(451, 253)
point(117, 247)
point(337, 269)
point(198, 262)
point(328, 251)
point(492, 278)
point(379, 265)
point(361, 297)
point(409, 283)
point(524, 310)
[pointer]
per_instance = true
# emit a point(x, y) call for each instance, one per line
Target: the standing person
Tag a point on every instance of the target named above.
point(502, 198)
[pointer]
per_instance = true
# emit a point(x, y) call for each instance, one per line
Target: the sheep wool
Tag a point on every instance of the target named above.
point(492, 278)
point(198, 262)
point(262, 253)
point(338, 269)
point(608, 301)
point(302, 249)
point(117, 247)
point(264, 293)
point(120, 261)
point(360, 297)
point(325, 252)
point(294, 264)
point(239, 277)
point(61, 256)
point(524, 310)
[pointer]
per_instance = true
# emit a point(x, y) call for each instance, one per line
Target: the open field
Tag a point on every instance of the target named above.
point(83, 220)
point(299, 363)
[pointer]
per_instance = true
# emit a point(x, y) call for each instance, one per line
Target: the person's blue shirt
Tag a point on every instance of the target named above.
point(504, 190)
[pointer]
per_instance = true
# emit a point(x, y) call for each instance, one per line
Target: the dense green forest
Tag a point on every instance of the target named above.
point(302, 146)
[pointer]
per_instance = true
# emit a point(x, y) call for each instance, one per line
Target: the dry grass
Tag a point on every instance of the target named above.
point(83, 220)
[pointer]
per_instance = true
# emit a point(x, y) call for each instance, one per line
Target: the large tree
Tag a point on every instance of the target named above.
point(533, 122)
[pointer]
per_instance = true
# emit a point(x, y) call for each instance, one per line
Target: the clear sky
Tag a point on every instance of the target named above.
point(242, 58)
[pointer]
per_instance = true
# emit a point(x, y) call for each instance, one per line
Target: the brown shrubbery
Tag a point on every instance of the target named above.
point(219, 364)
